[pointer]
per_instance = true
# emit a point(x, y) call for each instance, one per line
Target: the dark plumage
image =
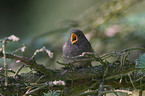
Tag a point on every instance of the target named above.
point(75, 46)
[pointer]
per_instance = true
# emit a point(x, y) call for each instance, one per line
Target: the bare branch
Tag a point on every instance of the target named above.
point(32, 64)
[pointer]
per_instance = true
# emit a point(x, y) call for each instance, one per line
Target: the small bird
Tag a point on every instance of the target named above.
point(76, 45)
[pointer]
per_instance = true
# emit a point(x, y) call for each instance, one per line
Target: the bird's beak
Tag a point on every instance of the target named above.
point(74, 38)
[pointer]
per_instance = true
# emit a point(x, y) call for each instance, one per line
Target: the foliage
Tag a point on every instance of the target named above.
point(141, 62)
point(53, 93)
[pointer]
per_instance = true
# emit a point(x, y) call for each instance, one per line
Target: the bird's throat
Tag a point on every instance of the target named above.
point(74, 38)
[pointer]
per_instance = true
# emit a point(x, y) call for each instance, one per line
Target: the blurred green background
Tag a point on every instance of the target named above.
point(110, 25)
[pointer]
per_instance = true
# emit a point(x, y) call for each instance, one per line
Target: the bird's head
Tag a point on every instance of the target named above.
point(76, 36)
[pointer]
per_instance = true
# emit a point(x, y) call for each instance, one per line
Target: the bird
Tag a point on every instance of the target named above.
point(76, 45)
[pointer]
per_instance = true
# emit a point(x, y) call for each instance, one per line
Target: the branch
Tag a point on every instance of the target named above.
point(84, 75)
point(31, 63)
point(115, 71)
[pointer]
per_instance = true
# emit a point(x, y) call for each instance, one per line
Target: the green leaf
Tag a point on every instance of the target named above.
point(140, 63)
point(52, 93)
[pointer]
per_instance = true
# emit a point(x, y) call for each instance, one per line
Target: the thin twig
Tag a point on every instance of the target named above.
point(87, 93)
point(28, 91)
point(118, 91)
point(124, 91)
point(17, 72)
point(22, 49)
point(2, 75)
point(141, 90)
point(112, 54)
point(61, 63)
point(118, 75)
point(5, 65)
point(131, 81)
point(111, 89)
point(131, 49)
point(43, 49)
point(8, 70)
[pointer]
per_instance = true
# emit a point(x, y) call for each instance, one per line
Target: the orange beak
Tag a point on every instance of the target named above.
point(74, 38)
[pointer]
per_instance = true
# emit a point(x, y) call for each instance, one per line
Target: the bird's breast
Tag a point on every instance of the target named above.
point(77, 48)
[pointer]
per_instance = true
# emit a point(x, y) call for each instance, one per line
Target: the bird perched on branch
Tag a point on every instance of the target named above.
point(76, 45)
